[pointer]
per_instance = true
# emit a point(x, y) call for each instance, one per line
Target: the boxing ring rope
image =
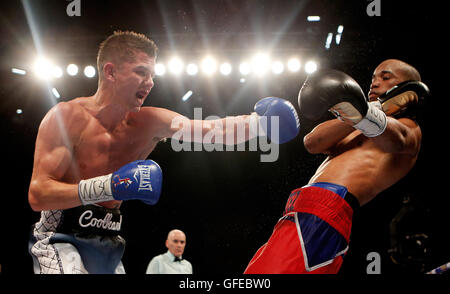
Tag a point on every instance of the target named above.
point(440, 269)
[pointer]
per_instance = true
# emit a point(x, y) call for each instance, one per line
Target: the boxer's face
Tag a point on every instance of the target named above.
point(176, 243)
point(134, 80)
point(385, 76)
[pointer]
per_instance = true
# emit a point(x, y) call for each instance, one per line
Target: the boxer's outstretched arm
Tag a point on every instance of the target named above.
point(230, 130)
point(274, 117)
point(400, 136)
point(52, 159)
point(324, 137)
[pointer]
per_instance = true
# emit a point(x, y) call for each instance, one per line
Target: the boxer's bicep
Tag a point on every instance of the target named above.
point(164, 123)
point(401, 136)
point(54, 145)
point(52, 159)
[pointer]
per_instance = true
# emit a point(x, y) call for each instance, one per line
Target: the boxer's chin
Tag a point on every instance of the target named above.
point(135, 109)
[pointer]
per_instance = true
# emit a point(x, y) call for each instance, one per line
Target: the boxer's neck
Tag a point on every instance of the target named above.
point(109, 112)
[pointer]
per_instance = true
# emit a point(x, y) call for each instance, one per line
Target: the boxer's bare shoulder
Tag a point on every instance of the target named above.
point(66, 119)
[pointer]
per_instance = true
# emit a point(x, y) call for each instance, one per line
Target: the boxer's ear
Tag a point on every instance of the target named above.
point(109, 71)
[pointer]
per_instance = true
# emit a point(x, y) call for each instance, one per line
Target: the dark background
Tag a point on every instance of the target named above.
point(228, 202)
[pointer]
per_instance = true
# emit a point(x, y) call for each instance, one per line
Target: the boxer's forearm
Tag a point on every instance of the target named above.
point(326, 135)
point(50, 194)
point(230, 130)
point(239, 129)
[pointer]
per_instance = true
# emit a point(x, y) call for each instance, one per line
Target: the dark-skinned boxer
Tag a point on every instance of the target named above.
point(370, 146)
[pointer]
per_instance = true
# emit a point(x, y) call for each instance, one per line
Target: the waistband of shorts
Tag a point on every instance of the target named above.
point(90, 220)
point(339, 190)
point(330, 202)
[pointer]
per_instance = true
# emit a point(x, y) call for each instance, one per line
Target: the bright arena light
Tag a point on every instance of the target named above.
point(244, 68)
point(56, 93)
point(89, 71)
point(209, 66)
point(310, 67)
point(260, 64)
point(186, 96)
point(175, 65)
point(293, 64)
point(43, 68)
point(192, 69)
point(160, 69)
point(57, 72)
point(18, 71)
point(313, 18)
point(225, 68)
point(277, 67)
point(72, 69)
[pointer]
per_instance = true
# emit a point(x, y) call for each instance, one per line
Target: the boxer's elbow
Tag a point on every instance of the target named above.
point(37, 194)
point(313, 144)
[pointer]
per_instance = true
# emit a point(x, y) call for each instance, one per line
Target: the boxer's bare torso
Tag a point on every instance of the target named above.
point(367, 166)
point(92, 148)
point(81, 139)
point(357, 163)
point(100, 150)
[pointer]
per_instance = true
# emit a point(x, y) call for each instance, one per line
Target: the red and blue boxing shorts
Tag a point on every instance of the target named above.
point(312, 236)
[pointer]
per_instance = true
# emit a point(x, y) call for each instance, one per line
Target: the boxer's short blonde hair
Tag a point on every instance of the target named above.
point(122, 46)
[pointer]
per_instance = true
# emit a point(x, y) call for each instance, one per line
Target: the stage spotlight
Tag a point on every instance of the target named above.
point(18, 71)
point(72, 69)
point(294, 64)
point(56, 93)
point(89, 71)
point(313, 18)
point(160, 69)
point(175, 65)
point(328, 41)
point(192, 69)
point(186, 96)
point(310, 67)
point(225, 68)
point(57, 72)
point(209, 66)
point(43, 68)
point(244, 68)
point(277, 67)
point(260, 64)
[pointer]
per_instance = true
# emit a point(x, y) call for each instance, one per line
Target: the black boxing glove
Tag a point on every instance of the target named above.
point(337, 92)
point(398, 98)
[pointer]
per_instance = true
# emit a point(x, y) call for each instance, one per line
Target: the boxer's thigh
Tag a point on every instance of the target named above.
point(58, 258)
point(70, 259)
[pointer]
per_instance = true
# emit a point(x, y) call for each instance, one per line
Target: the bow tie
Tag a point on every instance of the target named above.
point(177, 259)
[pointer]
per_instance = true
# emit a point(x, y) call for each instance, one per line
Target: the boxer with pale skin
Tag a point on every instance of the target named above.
point(90, 156)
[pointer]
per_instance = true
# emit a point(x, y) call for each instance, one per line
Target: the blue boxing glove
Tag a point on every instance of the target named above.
point(271, 110)
point(141, 179)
